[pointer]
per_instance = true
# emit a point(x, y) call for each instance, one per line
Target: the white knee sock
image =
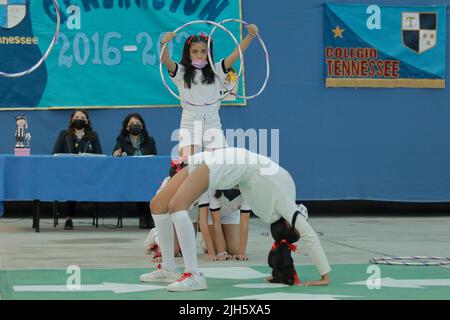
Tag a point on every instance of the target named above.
point(186, 237)
point(163, 225)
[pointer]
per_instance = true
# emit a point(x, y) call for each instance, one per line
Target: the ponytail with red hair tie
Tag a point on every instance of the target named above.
point(291, 247)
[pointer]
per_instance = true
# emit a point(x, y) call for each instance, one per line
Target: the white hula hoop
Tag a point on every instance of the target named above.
point(50, 47)
point(216, 25)
point(265, 52)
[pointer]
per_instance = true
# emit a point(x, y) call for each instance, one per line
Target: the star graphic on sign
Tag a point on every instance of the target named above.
point(338, 32)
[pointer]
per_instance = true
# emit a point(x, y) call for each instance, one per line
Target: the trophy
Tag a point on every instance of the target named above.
point(23, 137)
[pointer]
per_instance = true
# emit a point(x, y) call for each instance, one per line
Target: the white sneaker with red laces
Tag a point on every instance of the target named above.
point(188, 282)
point(160, 275)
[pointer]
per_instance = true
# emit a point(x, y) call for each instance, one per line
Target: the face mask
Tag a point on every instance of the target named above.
point(135, 129)
point(79, 124)
point(199, 64)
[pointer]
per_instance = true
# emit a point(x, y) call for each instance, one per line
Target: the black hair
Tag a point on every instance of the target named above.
point(189, 69)
point(281, 230)
point(124, 131)
point(88, 131)
point(280, 258)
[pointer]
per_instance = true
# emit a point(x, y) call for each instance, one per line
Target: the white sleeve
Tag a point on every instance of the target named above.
point(220, 70)
point(204, 199)
point(245, 207)
point(214, 203)
point(178, 76)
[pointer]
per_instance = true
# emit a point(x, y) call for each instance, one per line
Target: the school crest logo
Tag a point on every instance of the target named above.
point(419, 30)
point(12, 12)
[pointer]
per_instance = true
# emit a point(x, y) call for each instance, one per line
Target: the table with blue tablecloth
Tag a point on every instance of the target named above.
point(80, 178)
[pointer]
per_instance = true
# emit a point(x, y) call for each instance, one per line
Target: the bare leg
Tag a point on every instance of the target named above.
point(191, 188)
point(219, 238)
point(160, 203)
point(189, 191)
point(243, 236)
point(206, 234)
point(231, 233)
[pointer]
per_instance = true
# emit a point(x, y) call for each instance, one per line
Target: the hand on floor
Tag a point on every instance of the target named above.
point(240, 257)
point(223, 256)
point(210, 257)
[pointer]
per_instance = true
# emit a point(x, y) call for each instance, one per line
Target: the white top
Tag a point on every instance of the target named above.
point(200, 93)
point(267, 188)
point(229, 167)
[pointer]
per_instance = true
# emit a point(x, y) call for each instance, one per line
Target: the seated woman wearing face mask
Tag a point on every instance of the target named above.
point(134, 140)
point(78, 138)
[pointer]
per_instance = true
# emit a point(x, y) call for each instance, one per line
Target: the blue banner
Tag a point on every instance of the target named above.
point(384, 46)
point(107, 52)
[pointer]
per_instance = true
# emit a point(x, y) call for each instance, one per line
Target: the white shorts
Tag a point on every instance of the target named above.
point(268, 189)
point(201, 129)
point(227, 217)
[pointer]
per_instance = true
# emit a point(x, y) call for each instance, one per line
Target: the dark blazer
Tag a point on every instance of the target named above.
point(67, 144)
point(147, 147)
